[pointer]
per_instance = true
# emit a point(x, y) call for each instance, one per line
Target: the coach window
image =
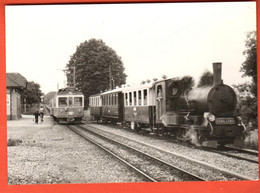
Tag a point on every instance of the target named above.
point(134, 99)
point(130, 99)
point(145, 97)
point(139, 98)
point(116, 99)
point(126, 99)
point(62, 101)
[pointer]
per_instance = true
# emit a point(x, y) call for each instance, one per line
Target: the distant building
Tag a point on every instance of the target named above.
point(15, 85)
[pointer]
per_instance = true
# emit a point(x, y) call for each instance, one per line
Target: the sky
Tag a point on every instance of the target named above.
point(172, 39)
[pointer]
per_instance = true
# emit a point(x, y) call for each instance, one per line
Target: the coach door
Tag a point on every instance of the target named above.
point(160, 100)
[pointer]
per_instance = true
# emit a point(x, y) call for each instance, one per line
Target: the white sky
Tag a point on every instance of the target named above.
point(174, 39)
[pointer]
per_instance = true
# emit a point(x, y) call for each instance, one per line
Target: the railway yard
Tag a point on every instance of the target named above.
point(51, 153)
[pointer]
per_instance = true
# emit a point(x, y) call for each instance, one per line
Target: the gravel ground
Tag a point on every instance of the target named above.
point(237, 166)
point(51, 154)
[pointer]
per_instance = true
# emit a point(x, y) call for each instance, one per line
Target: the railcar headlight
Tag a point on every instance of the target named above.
point(211, 117)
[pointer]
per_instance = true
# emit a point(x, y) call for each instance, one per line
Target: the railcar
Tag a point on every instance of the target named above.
point(67, 105)
point(202, 115)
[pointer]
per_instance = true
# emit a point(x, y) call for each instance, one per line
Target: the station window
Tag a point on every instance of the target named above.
point(139, 98)
point(78, 101)
point(62, 101)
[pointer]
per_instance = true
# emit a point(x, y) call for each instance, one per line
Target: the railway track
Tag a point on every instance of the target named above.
point(235, 153)
point(248, 151)
point(150, 167)
point(204, 170)
point(232, 152)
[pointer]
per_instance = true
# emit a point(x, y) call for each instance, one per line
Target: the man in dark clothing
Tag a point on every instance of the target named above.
point(36, 115)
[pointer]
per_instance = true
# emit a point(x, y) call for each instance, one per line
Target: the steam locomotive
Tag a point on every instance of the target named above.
point(202, 115)
point(67, 105)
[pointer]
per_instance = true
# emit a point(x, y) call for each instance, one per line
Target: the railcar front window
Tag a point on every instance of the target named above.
point(78, 101)
point(70, 101)
point(62, 101)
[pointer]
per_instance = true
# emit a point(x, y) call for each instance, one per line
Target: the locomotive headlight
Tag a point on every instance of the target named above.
point(211, 117)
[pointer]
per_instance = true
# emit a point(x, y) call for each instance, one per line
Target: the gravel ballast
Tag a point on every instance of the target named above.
point(51, 154)
point(237, 166)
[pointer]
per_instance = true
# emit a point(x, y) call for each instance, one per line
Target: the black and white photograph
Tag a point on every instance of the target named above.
point(131, 93)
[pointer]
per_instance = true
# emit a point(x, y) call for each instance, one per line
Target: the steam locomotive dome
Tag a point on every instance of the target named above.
point(222, 100)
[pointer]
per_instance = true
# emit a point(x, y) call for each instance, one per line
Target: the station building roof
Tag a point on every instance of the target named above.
point(15, 80)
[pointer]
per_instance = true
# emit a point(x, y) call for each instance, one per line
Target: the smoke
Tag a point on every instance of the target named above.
point(192, 136)
point(206, 79)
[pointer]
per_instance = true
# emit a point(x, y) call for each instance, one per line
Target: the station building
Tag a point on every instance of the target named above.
point(15, 85)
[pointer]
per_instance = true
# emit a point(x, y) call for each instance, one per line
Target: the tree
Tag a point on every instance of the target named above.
point(95, 64)
point(33, 93)
point(249, 66)
point(247, 104)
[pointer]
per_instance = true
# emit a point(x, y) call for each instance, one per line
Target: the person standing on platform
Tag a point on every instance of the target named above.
point(36, 115)
point(41, 113)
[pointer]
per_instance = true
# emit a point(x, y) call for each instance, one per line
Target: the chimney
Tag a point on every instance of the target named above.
point(217, 73)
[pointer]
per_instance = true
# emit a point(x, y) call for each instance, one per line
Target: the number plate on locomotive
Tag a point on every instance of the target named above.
point(225, 121)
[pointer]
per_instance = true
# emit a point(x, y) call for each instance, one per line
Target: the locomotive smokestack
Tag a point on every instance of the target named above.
point(217, 67)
